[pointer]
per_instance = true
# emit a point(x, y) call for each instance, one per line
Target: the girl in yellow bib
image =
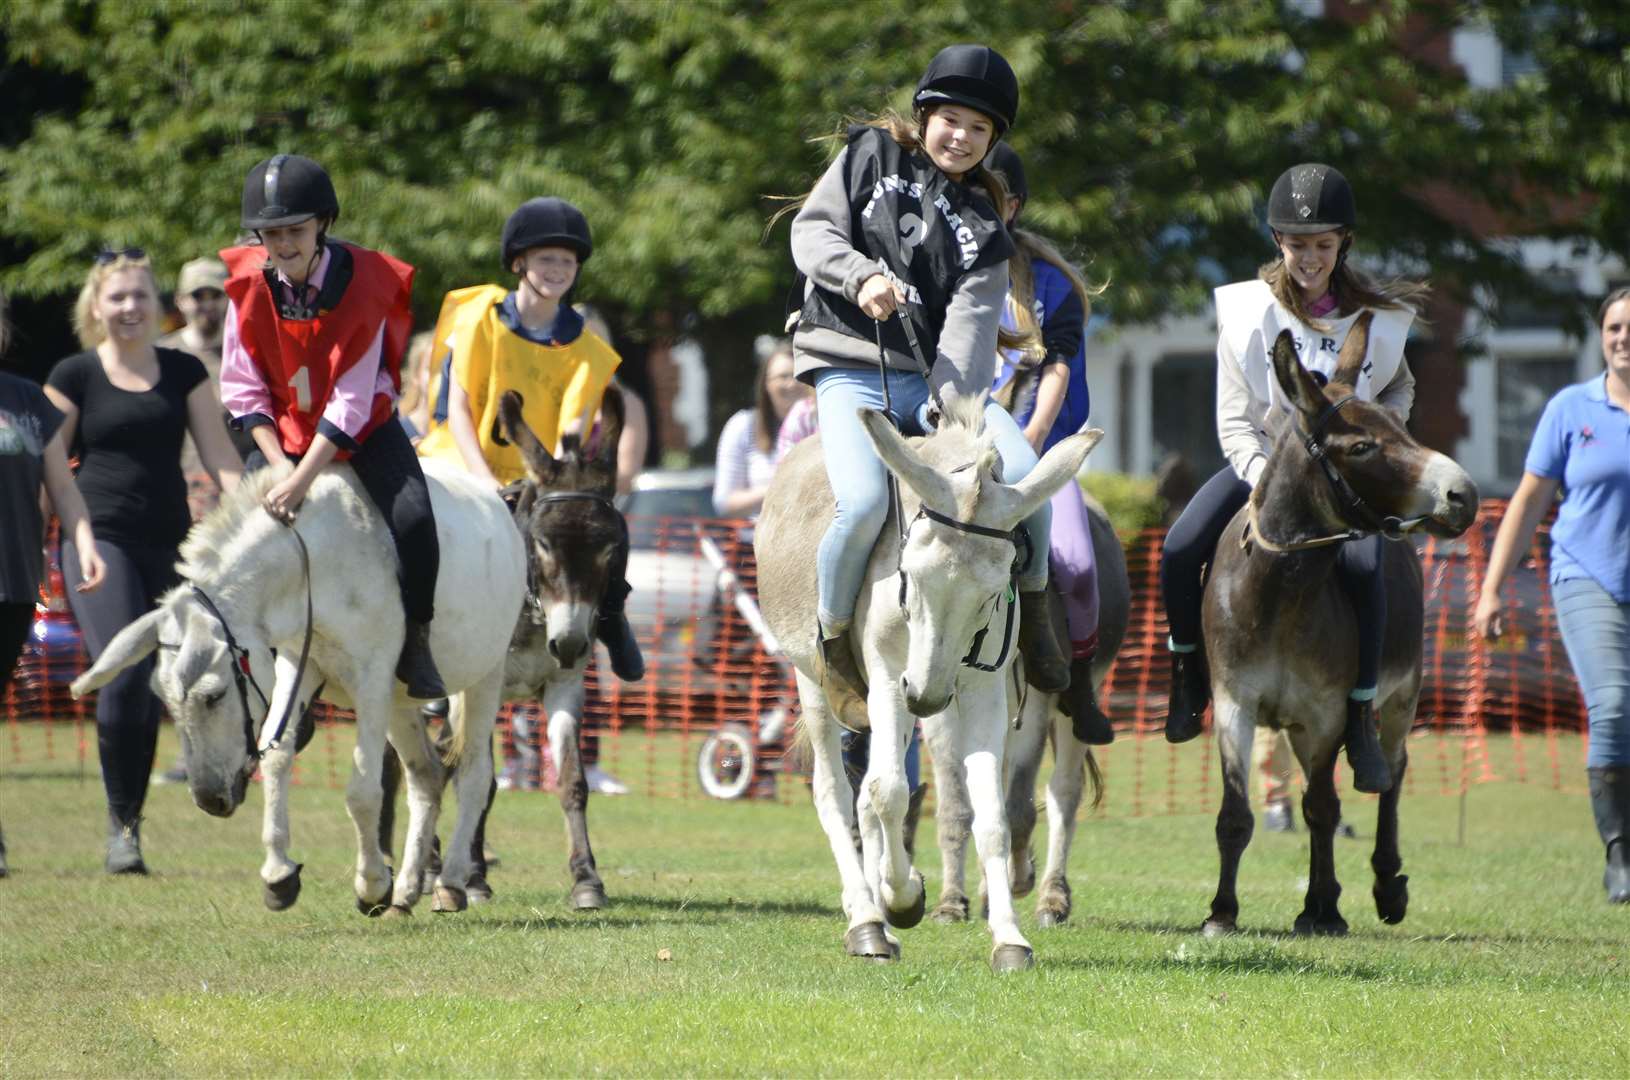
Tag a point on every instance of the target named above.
point(489, 339)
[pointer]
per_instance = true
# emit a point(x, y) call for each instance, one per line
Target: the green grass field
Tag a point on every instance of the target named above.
point(1510, 962)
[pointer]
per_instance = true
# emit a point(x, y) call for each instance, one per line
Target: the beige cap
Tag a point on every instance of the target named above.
point(203, 273)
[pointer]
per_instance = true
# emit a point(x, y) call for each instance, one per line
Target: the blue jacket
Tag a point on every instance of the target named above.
point(1059, 311)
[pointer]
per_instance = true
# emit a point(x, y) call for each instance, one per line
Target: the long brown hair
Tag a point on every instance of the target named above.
point(1022, 285)
point(1353, 288)
point(768, 424)
point(908, 132)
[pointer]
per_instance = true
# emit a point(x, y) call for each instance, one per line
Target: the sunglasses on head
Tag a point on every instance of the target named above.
point(105, 257)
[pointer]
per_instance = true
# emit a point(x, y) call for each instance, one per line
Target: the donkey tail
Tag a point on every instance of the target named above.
point(452, 751)
point(1095, 777)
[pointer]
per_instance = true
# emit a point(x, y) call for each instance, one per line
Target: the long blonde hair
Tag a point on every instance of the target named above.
point(87, 326)
point(1353, 288)
point(1021, 295)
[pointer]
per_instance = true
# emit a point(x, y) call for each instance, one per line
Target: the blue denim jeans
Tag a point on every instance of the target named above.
point(860, 480)
point(1596, 630)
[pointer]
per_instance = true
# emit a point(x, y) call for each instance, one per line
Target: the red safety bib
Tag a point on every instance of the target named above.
point(302, 359)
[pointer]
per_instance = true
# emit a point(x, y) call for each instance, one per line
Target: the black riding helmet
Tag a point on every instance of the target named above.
point(286, 190)
point(546, 222)
point(1311, 198)
point(972, 75)
point(1005, 160)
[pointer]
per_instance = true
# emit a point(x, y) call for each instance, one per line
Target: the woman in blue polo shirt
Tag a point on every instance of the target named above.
point(1582, 447)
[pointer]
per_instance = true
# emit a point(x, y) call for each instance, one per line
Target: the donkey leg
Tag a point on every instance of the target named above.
point(1026, 743)
point(886, 795)
point(1391, 890)
point(472, 714)
point(1321, 809)
point(953, 820)
point(1064, 791)
point(834, 806)
point(364, 793)
point(279, 874)
point(980, 723)
point(418, 763)
point(563, 703)
point(1235, 822)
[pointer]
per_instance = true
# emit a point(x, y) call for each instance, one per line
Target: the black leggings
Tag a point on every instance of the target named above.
point(390, 472)
point(1193, 538)
point(127, 711)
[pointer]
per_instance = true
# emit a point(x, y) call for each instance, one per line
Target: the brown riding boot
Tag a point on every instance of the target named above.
point(1371, 774)
point(841, 676)
point(416, 668)
point(1191, 690)
point(1080, 703)
point(1046, 665)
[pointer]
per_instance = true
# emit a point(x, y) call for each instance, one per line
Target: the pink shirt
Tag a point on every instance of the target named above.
point(350, 405)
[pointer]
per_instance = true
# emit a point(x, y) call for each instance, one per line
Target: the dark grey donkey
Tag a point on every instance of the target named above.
point(1281, 636)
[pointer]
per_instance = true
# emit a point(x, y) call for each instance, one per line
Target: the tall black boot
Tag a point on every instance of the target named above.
point(1610, 801)
point(124, 846)
point(1080, 701)
point(415, 666)
point(1371, 774)
point(612, 628)
point(1191, 690)
point(1041, 637)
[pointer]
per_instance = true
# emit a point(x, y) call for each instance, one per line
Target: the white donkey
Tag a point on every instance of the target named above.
point(250, 588)
point(942, 596)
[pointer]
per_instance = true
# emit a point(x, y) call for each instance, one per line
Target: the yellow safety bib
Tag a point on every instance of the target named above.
point(557, 382)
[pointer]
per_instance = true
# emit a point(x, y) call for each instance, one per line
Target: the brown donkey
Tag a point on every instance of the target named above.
point(1281, 636)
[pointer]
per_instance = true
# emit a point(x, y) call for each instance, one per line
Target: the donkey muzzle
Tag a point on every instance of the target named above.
point(568, 648)
point(920, 704)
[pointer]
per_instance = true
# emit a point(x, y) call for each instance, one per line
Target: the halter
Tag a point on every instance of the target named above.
point(1393, 528)
point(244, 678)
point(534, 601)
point(1016, 536)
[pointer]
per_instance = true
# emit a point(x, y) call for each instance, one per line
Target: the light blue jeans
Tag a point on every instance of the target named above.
point(860, 479)
point(1596, 630)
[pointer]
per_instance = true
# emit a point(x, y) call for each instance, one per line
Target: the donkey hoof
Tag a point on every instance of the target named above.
point(952, 911)
point(906, 918)
point(372, 908)
point(1049, 917)
point(1309, 926)
point(281, 895)
point(588, 896)
point(478, 890)
point(449, 898)
point(1216, 928)
point(1007, 958)
point(396, 912)
point(1392, 899)
point(869, 942)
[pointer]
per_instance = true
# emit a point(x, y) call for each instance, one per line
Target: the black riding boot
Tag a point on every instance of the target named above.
point(1371, 774)
point(1046, 662)
point(1080, 701)
point(1191, 690)
point(841, 676)
point(613, 630)
point(124, 847)
point(416, 668)
point(1610, 800)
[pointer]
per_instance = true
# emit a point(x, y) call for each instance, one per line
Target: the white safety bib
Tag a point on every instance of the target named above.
point(1249, 320)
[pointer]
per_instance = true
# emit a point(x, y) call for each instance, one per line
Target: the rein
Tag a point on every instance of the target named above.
point(1393, 528)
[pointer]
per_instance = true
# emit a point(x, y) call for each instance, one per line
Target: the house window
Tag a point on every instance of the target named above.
point(1183, 414)
point(1522, 387)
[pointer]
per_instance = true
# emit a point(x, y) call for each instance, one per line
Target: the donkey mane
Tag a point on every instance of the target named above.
point(965, 411)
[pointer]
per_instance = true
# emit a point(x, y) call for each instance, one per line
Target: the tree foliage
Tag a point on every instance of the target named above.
point(1151, 130)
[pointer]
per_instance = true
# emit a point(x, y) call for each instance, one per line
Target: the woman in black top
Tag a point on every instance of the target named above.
point(31, 454)
point(126, 406)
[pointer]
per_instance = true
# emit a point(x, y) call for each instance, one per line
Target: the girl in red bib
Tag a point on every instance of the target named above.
point(311, 368)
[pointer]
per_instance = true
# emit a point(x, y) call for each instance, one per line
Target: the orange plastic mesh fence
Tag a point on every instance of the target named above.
point(714, 714)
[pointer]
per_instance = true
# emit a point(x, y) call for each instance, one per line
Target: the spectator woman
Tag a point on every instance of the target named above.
point(126, 407)
point(747, 445)
point(32, 454)
point(1582, 450)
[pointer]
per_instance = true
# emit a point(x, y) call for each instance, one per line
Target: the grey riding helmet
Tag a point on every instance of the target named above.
point(973, 75)
point(286, 190)
point(546, 222)
point(1311, 198)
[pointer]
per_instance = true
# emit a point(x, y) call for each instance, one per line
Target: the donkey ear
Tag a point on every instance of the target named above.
point(1353, 351)
point(1056, 468)
point(612, 415)
point(1294, 381)
point(903, 461)
point(540, 465)
point(129, 646)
